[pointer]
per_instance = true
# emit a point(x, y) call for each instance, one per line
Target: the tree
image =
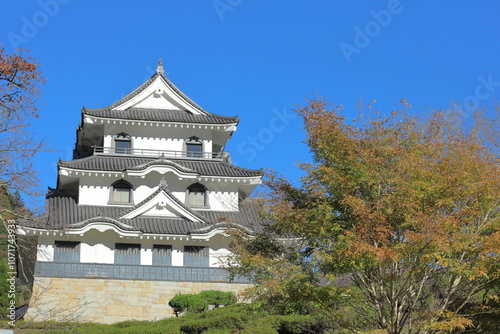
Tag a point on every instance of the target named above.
point(20, 82)
point(406, 207)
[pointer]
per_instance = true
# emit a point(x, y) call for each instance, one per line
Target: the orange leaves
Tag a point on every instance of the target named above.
point(19, 80)
point(409, 206)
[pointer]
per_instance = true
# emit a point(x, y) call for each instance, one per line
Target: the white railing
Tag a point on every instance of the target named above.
point(100, 150)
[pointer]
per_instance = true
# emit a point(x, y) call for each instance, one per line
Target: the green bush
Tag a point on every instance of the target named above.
point(297, 324)
point(218, 298)
point(199, 302)
point(259, 330)
point(188, 302)
point(224, 321)
point(217, 331)
point(284, 324)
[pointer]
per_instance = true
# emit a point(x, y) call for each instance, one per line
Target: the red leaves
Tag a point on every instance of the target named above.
point(19, 80)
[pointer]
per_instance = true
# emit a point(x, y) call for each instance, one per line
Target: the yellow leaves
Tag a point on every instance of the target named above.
point(448, 322)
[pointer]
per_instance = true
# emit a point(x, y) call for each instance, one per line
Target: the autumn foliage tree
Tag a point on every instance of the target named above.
point(406, 207)
point(20, 81)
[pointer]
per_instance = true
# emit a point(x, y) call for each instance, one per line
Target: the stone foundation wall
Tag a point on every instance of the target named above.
point(109, 301)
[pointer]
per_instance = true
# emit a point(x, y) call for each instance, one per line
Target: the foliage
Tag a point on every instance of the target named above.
point(4, 288)
point(198, 302)
point(218, 298)
point(229, 321)
point(407, 207)
point(20, 81)
point(246, 318)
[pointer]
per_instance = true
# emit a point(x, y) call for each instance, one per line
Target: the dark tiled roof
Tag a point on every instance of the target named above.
point(201, 167)
point(159, 115)
point(65, 213)
point(148, 82)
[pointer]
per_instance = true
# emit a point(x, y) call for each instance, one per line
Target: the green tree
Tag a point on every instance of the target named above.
point(4, 289)
point(406, 207)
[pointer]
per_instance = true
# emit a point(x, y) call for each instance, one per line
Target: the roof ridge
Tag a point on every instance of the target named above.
point(178, 91)
point(135, 92)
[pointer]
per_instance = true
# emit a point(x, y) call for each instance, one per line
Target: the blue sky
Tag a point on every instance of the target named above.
point(256, 59)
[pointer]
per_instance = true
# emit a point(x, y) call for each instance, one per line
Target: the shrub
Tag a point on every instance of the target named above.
point(298, 324)
point(227, 319)
point(199, 302)
point(259, 330)
point(188, 302)
point(230, 321)
point(218, 298)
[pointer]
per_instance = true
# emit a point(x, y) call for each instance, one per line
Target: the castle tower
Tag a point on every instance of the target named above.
point(142, 211)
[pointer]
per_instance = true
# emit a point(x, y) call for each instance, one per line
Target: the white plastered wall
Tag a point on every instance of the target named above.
point(159, 136)
point(98, 247)
point(95, 190)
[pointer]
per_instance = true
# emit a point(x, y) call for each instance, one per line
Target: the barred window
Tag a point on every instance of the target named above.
point(67, 246)
point(66, 251)
point(162, 250)
point(196, 256)
point(127, 253)
point(196, 251)
point(162, 255)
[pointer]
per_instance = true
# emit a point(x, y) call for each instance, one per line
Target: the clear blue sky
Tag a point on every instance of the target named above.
point(257, 59)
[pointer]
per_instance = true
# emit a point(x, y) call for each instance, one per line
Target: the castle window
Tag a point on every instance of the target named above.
point(123, 143)
point(162, 255)
point(67, 251)
point(197, 195)
point(127, 253)
point(196, 256)
point(194, 147)
point(121, 192)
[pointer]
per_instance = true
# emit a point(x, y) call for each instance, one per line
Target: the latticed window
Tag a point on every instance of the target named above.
point(127, 253)
point(196, 256)
point(66, 251)
point(121, 192)
point(162, 255)
point(197, 195)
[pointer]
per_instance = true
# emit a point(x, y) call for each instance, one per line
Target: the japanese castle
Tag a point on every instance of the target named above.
point(143, 210)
